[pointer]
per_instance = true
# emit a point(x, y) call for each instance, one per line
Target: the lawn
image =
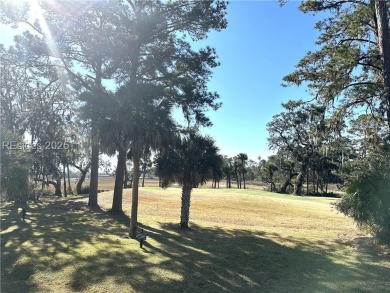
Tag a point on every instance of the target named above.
point(239, 241)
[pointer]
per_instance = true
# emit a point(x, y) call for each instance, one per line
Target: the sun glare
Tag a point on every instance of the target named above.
point(36, 13)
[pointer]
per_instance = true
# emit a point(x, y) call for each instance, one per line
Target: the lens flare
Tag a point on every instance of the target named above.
point(36, 12)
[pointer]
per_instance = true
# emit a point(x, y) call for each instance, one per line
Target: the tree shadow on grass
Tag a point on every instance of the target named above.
point(50, 231)
point(216, 259)
point(87, 248)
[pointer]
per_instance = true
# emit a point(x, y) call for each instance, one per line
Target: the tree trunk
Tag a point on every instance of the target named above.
point(143, 175)
point(93, 184)
point(243, 178)
point(287, 183)
point(81, 181)
point(83, 174)
point(300, 180)
point(119, 175)
point(127, 178)
point(313, 181)
point(381, 13)
point(134, 201)
point(307, 183)
point(131, 180)
point(64, 174)
point(58, 186)
point(69, 187)
point(273, 187)
point(185, 205)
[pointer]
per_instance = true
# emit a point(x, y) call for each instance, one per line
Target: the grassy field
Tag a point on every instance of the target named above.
point(239, 241)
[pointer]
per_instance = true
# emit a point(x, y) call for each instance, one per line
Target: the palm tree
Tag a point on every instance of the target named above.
point(139, 118)
point(189, 162)
point(217, 171)
point(243, 158)
point(235, 165)
point(227, 171)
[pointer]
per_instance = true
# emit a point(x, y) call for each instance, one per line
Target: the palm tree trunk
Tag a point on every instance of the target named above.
point(185, 205)
point(119, 175)
point(134, 201)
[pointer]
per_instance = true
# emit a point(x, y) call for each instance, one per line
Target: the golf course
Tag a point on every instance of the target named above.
point(238, 241)
point(193, 146)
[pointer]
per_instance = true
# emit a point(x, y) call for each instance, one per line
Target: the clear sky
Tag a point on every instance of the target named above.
point(263, 43)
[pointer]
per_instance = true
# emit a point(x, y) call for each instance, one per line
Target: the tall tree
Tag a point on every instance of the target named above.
point(137, 122)
point(35, 101)
point(189, 162)
point(383, 40)
point(227, 169)
point(353, 62)
point(155, 50)
point(78, 37)
point(298, 130)
point(243, 158)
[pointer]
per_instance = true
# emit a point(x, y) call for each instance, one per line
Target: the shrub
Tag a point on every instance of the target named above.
point(84, 190)
point(15, 168)
point(367, 198)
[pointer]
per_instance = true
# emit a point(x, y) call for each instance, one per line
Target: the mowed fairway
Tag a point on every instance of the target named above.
point(239, 241)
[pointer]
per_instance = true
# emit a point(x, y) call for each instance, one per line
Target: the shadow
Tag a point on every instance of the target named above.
point(54, 228)
point(88, 249)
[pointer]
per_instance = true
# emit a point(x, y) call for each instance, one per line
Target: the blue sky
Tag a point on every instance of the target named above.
point(263, 43)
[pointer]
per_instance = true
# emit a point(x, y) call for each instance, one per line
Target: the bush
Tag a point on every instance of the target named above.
point(15, 168)
point(367, 198)
point(84, 190)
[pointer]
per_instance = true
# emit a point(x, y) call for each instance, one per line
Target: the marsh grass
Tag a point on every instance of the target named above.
point(239, 241)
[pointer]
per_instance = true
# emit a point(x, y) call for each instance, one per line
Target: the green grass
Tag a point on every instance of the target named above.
point(239, 241)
